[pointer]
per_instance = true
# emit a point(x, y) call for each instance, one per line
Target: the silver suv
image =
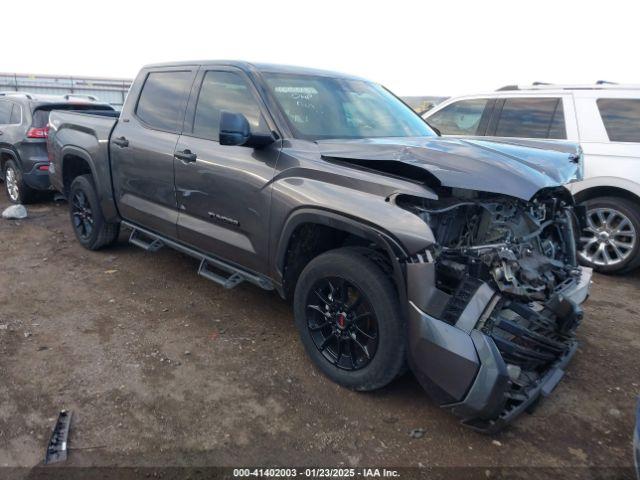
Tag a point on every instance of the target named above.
point(605, 119)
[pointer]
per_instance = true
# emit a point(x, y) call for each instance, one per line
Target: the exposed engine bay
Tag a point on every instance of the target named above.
point(502, 266)
point(526, 249)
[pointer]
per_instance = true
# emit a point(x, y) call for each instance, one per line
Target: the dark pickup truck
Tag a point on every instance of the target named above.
point(456, 258)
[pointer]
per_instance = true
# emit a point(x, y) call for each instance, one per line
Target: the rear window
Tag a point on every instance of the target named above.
point(621, 118)
point(41, 113)
point(532, 118)
point(162, 100)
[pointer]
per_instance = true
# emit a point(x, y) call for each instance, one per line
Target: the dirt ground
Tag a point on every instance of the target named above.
point(162, 367)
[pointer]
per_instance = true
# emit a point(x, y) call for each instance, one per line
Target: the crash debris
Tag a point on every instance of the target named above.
point(57, 447)
point(14, 212)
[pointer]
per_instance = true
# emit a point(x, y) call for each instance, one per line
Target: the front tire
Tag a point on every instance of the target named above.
point(611, 241)
point(17, 191)
point(89, 225)
point(349, 319)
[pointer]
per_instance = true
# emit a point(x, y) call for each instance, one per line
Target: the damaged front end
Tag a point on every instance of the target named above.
point(494, 303)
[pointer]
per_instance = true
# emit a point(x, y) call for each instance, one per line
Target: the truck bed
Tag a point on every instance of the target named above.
point(85, 135)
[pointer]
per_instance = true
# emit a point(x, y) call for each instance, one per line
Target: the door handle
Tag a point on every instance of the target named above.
point(1, 132)
point(122, 142)
point(186, 156)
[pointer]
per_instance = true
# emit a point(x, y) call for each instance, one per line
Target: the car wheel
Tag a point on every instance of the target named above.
point(349, 319)
point(610, 242)
point(89, 225)
point(17, 191)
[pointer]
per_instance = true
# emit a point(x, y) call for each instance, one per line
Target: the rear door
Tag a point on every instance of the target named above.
point(142, 148)
point(222, 192)
point(540, 117)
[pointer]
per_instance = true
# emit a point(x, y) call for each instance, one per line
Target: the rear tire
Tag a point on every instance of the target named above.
point(17, 191)
point(611, 241)
point(87, 220)
point(377, 353)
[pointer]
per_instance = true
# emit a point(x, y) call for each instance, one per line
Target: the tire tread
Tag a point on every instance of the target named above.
point(108, 232)
point(358, 262)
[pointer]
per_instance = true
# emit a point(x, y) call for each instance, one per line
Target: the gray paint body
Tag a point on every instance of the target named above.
point(268, 192)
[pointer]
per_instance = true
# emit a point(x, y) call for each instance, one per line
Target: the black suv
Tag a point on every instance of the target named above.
point(24, 118)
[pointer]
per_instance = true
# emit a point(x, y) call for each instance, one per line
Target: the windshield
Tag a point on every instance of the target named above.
point(319, 107)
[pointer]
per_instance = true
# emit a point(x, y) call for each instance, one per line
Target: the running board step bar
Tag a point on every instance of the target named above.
point(227, 282)
point(139, 239)
point(152, 242)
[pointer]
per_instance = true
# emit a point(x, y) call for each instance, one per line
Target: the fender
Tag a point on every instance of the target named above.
point(348, 224)
point(579, 188)
point(101, 178)
point(14, 156)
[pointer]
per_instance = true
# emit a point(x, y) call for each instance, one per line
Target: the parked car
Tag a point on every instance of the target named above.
point(24, 165)
point(605, 119)
point(394, 244)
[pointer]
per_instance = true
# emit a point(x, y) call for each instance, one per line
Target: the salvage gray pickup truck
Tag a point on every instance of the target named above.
point(456, 258)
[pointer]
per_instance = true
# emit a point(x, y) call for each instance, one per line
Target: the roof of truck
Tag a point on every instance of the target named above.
point(261, 67)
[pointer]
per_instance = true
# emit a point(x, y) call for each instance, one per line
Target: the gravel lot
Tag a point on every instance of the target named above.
point(162, 367)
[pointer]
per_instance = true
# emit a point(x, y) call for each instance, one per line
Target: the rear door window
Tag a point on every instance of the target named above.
point(5, 112)
point(162, 100)
point(532, 118)
point(225, 91)
point(460, 118)
point(621, 118)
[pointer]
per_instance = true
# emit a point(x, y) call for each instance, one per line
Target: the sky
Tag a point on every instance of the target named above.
point(412, 47)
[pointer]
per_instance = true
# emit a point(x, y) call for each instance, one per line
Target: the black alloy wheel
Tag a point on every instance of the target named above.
point(342, 323)
point(83, 221)
point(87, 220)
point(348, 314)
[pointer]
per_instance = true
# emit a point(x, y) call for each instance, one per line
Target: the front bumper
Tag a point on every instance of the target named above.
point(477, 373)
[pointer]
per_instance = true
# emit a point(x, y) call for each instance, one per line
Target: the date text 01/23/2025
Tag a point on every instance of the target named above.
point(315, 472)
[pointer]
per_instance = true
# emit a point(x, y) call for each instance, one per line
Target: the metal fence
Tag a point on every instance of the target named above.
point(110, 90)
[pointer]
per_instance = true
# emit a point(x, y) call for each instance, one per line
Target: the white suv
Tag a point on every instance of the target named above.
point(605, 120)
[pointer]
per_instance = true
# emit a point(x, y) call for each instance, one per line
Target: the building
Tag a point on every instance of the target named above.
point(110, 90)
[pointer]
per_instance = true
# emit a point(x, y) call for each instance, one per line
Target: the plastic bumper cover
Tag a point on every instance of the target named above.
point(38, 177)
point(33, 160)
point(465, 372)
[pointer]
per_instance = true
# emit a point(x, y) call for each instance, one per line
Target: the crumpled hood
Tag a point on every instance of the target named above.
point(519, 168)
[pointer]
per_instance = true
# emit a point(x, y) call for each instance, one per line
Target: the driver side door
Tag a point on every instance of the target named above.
point(223, 192)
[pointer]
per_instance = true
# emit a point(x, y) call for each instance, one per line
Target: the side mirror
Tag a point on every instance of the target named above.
point(235, 130)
